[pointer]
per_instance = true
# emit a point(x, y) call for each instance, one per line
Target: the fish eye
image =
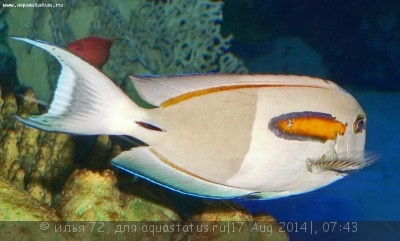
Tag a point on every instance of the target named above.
point(359, 125)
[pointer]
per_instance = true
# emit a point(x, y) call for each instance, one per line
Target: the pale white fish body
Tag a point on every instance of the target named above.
point(218, 136)
point(249, 155)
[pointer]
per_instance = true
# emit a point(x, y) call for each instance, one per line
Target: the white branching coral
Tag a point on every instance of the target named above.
point(180, 36)
point(150, 37)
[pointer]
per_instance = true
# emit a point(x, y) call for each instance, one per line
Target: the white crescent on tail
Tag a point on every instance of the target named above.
point(215, 135)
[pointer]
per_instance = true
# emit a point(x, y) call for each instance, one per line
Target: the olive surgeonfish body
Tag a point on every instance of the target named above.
point(215, 135)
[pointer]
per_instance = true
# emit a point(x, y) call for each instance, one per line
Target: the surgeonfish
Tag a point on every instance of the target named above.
point(215, 135)
point(94, 50)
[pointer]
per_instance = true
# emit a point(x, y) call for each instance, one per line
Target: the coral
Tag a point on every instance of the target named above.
point(19, 205)
point(93, 195)
point(152, 37)
point(33, 160)
point(178, 36)
point(90, 196)
point(265, 227)
point(224, 219)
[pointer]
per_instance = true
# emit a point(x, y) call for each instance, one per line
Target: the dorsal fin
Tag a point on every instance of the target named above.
point(159, 90)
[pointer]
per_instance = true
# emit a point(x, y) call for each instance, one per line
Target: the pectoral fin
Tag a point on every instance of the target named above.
point(342, 163)
point(146, 164)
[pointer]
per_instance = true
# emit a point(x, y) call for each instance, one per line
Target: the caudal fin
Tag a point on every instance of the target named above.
point(85, 100)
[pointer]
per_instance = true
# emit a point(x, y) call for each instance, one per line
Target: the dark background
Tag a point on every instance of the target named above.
point(359, 40)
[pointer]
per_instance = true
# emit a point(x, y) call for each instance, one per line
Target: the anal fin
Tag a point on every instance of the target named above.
point(144, 163)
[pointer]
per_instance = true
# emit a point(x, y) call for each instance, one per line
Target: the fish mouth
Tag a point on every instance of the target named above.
point(341, 163)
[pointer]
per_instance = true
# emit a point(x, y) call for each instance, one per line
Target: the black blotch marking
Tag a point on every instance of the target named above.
point(148, 126)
